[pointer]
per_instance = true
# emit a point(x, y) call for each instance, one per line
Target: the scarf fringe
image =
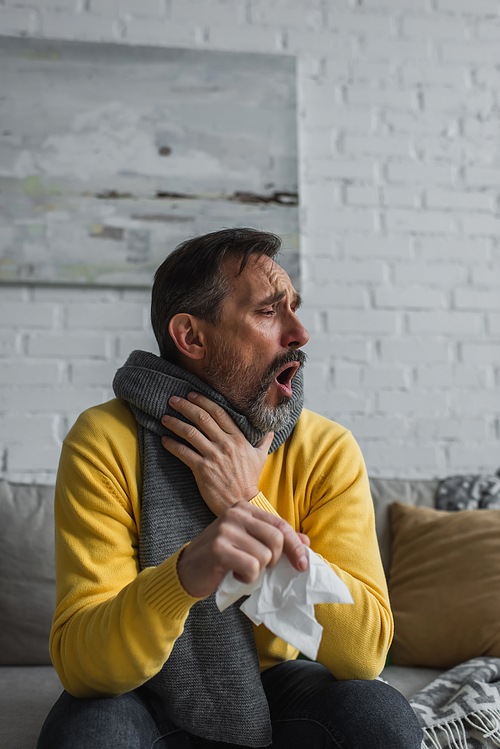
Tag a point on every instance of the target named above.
point(486, 722)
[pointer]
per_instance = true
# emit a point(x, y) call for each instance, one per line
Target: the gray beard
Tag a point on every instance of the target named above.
point(247, 390)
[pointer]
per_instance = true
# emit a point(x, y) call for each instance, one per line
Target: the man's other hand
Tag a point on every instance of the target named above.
point(225, 465)
point(244, 540)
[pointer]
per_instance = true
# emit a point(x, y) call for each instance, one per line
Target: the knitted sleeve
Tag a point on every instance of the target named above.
point(114, 626)
point(319, 484)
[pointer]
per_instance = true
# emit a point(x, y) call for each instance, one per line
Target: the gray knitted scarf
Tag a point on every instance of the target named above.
point(210, 684)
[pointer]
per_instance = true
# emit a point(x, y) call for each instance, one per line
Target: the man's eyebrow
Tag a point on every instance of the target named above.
point(278, 296)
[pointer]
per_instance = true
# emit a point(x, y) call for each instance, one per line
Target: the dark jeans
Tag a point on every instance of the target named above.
point(310, 709)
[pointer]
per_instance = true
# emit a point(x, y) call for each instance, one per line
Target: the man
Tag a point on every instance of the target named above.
point(206, 463)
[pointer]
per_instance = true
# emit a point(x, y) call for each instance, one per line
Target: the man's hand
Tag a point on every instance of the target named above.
point(244, 540)
point(225, 465)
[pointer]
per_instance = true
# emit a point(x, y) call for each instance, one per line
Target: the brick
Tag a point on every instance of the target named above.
point(128, 342)
point(445, 323)
point(17, 21)
point(26, 315)
point(338, 348)
point(481, 353)
point(418, 221)
point(479, 7)
point(334, 295)
point(24, 372)
point(482, 459)
point(105, 316)
point(342, 218)
point(451, 429)
point(317, 142)
point(394, 50)
point(368, 96)
point(360, 23)
point(432, 74)
point(369, 321)
point(8, 342)
point(410, 458)
point(118, 8)
point(339, 169)
point(86, 26)
point(362, 196)
point(331, 114)
point(352, 271)
point(486, 53)
point(398, 197)
point(33, 457)
point(332, 403)
point(468, 201)
point(376, 377)
point(442, 248)
point(450, 376)
point(419, 173)
point(160, 32)
point(477, 299)
point(284, 14)
point(443, 275)
point(489, 29)
point(322, 43)
point(346, 376)
point(365, 70)
point(408, 298)
point(385, 247)
point(415, 351)
point(481, 225)
point(244, 38)
point(494, 324)
point(412, 402)
point(47, 400)
point(477, 403)
point(66, 345)
point(434, 27)
point(25, 429)
point(483, 176)
point(68, 5)
point(390, 145)
point(86, 294)
point(376, 427)
point(93, 373)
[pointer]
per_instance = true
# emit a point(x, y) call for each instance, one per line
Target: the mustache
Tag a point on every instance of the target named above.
point(287, 357)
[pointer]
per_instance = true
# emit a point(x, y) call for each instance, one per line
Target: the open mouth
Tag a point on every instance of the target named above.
point(285, 376)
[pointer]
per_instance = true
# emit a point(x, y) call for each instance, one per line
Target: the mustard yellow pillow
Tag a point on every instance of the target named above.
point(444, 585)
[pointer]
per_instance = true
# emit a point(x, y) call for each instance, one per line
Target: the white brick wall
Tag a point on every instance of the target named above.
point(400, 221)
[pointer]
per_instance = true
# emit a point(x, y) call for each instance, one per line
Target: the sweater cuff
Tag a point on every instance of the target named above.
point(261, 501)
point(164, 591)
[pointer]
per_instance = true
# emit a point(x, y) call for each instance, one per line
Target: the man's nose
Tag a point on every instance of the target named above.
point(296, 335)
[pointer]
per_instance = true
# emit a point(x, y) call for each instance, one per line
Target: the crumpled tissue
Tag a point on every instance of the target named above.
point(283, 599)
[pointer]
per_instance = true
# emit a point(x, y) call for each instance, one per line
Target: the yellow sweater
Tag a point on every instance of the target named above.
point(114, 625)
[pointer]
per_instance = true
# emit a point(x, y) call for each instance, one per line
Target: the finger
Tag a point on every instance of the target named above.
point(296, 551)
point(183, 452)
point(188, 432)
point(200, 417)
point(218, 414)
point(260, 527)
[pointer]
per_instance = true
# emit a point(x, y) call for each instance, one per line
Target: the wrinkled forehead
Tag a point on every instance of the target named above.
point(260, 278)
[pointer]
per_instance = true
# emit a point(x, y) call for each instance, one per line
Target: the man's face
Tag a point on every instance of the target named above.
point(253, 353)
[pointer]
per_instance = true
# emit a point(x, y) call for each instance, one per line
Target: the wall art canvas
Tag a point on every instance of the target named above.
point(110, 155)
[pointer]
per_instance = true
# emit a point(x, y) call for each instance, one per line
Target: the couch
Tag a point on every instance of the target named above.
point(29, 684)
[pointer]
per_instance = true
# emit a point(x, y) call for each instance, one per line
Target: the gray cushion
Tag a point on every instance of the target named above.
point(26, 695)
point(418, 492)
point(27, 574)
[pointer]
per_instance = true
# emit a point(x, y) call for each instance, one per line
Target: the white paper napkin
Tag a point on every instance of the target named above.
point(283, 599)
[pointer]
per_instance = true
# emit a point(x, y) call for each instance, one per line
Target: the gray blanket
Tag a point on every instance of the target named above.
point(461, 708)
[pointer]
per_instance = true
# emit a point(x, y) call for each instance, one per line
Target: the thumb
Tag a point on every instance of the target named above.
point(264, 444)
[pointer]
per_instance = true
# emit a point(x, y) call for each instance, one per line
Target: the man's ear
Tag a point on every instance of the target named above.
point(187, 333)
